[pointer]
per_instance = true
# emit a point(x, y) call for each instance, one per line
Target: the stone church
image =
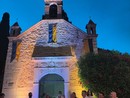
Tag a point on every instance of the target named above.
point(43, 59)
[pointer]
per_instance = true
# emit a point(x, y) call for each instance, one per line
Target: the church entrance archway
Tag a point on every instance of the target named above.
point(51, 84)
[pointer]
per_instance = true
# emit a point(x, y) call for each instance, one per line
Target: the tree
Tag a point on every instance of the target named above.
point(105, 72)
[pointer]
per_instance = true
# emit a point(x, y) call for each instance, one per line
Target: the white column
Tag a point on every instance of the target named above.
point(66, 91)
point(35, 90)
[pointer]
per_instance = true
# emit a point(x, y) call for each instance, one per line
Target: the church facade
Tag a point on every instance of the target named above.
point(43, 59)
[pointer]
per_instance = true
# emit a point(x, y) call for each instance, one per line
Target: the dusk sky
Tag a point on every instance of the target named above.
point(111, 16)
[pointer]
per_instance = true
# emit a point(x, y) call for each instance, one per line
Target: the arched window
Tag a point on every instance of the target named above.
point(53, 11)
point(91, 31)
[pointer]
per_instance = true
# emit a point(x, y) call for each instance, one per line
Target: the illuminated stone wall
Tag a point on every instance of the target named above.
point(75, 84)
point(22, 73)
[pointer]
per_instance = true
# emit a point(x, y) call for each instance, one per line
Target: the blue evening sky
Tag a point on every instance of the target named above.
point(111, 16)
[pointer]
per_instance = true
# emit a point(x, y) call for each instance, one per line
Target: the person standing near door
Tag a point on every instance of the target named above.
point(60, 95)
point(84, 94)
point(2, 95)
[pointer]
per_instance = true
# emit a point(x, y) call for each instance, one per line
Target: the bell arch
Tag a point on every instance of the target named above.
point(53, 11)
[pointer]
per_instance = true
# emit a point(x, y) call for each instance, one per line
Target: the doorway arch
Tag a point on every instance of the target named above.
point(51, 84)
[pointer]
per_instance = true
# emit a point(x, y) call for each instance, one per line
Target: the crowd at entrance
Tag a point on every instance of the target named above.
point(85, 94)
point(89, 94)
point(60, 95)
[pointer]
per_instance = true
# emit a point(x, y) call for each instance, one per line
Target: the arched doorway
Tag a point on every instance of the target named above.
point(53, 11)
point(51, 84)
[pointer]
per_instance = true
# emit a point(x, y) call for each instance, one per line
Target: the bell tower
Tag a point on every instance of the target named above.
point(91, 28)
point(53, 9)
point(92, 36)
point(15, 30)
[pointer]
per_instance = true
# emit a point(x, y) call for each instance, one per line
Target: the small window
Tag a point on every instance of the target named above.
point(52, 33)
point(13, 32)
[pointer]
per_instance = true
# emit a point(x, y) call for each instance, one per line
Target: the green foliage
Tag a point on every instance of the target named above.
point(105, 72)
